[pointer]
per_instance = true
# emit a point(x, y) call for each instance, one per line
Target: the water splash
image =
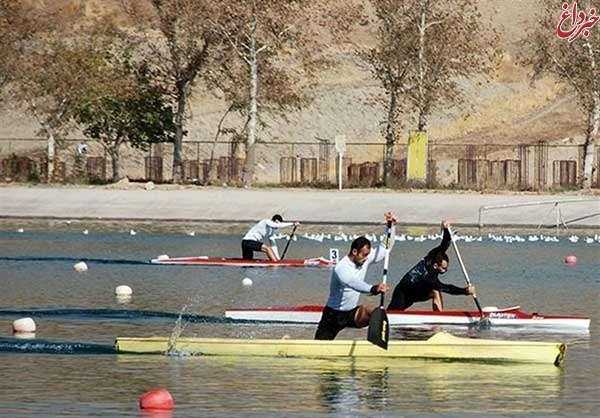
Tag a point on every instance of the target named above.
point(176, 332)
point(180, 324)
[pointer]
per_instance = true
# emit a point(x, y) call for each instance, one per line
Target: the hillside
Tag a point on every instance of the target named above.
point(503, 110)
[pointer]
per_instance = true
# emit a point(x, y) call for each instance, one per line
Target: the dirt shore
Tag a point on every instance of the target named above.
point(232, 209)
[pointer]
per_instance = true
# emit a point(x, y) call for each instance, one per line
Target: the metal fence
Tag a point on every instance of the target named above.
point(537, 166)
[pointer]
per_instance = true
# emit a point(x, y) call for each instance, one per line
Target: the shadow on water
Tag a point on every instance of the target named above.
point(40, 346)
point(75, 260)
point(114, 314)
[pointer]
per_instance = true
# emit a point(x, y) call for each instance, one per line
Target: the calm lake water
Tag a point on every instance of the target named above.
point(70, 368)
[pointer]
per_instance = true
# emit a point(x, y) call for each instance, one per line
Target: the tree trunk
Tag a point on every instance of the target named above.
point(211, 172)
point(422, 124)
point(590, 145)
point(50, 143)
point(116, 161)
point(252, 116)
point(51, 155)
point(389, 138)
point(178, 142)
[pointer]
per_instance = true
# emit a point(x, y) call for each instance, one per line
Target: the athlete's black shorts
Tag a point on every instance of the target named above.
point(333, 321)
point(400, 300)
point(404, 297)
point(248, 248)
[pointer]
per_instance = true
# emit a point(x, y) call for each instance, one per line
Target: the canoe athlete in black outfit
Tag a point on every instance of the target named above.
point(421, 283)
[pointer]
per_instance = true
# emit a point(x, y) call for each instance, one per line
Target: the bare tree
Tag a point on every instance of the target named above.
point(449, 41)
point(575, 62)
point(178, 38)
point(36, 73)
point(273, 56)
point(15, 28)
point(423, 50)
point(390, 63)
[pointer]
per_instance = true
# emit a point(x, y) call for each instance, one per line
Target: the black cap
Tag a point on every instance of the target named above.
point(277, 218)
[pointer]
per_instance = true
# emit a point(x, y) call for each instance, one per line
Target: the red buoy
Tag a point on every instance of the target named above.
point(157, 400)
point(571, 260)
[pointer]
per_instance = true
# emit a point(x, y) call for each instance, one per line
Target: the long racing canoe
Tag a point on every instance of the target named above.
point(240, 262)
point(514, 316)
point(441, 345)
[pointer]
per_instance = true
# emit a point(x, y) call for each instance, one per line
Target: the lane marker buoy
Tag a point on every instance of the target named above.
point(123, 290)
point(157, 400)
point(81, 267)
point(23, 325)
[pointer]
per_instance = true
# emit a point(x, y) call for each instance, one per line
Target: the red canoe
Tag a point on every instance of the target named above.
point(514, 316)
point(240, 262)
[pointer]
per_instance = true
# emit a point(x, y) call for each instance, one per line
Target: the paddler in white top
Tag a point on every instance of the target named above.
point(255, 237)
point(347, 283)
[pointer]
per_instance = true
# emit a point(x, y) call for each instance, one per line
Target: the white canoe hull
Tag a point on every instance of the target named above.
point(512, 317)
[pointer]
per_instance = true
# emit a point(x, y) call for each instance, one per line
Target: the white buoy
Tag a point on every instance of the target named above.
point(163, 257)
point(247, 281)
point(192, 233)
point(23, 325)
point(85, 232)
point(123, 290)
point(20, 230)
point(80, 267)
point(132, 232)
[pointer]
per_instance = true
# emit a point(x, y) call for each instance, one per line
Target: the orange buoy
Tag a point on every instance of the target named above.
point(571, 260)
point(157, 400)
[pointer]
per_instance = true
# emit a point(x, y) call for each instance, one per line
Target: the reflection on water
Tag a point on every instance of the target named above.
point(356, 387)
point(344, 391)
point(157, 414)
point(417, 382)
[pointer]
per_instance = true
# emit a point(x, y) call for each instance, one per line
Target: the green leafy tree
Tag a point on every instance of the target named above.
point(144, 118)
point(178, 39)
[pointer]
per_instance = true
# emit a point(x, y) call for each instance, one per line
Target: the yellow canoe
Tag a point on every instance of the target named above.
point(439, 346)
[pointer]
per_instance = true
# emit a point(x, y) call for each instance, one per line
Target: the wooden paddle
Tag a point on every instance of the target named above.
point(483, 321)
point(288, 243)
point(379, 329)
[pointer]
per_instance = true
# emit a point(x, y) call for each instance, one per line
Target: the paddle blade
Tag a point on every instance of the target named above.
point(484, 323)
point(379, 329)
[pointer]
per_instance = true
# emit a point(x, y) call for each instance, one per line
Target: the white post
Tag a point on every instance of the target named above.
point(340, 147)
point(340, 164)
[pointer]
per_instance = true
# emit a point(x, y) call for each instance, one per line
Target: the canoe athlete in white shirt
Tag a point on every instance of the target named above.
point(347, 283)
point(263, 230)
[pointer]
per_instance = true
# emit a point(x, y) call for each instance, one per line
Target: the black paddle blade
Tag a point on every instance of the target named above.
point(379, 328)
